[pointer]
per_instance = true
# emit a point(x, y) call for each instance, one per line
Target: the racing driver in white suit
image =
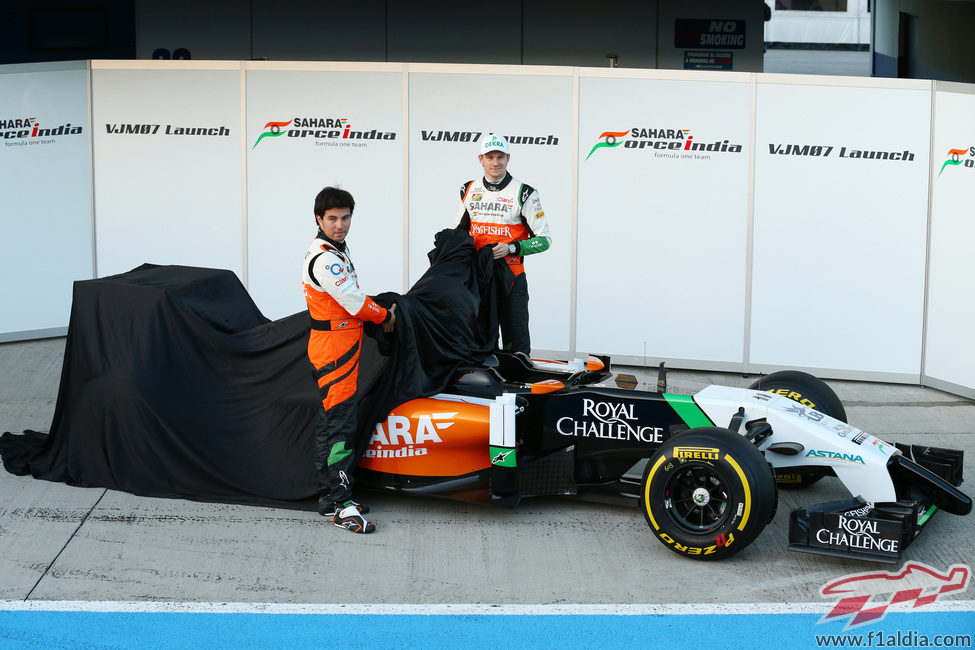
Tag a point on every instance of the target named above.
point(501, 211)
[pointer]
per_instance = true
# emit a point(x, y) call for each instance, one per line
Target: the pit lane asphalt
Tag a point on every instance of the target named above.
point(84, 544)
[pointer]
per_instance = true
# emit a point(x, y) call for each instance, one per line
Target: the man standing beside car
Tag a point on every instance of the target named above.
point(337, 307)
point(502, 212)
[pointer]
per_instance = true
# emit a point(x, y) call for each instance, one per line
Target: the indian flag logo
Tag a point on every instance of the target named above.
point(608, 139)
point(954, 158)
point(272, 129)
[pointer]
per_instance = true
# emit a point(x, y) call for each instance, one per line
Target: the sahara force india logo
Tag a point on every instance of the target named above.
point(272, 130)
point(328, 131)
point(667, 143)
point(28, 130)
point(955, 158)
point(396, 439)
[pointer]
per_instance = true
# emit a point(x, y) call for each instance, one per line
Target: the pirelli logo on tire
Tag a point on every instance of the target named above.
point(793, 395)
point(697, 453)
point(719, 542)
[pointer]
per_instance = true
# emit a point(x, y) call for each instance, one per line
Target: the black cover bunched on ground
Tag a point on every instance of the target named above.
point(175, 385)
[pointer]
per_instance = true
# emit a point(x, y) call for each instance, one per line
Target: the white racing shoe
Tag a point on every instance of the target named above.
point(352, 520)
point(328, 508)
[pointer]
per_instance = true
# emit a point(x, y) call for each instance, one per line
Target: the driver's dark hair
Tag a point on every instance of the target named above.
point(333, 197)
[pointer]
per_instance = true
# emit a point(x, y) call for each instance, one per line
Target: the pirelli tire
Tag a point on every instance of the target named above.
point(803, 388)
point(809, 391)
point(708, 493)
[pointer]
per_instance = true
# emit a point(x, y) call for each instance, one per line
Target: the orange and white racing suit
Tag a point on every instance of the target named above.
point(508, 212)
point(337, 307)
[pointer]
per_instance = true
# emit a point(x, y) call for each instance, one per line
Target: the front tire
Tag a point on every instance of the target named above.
point(809, 391)
point(708, 493)
point(804, 388)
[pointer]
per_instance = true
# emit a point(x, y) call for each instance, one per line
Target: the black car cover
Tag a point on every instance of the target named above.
point(175, 385)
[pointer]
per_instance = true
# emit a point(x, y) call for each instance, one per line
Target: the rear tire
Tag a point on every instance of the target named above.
point(708, 493)
point(809, 391)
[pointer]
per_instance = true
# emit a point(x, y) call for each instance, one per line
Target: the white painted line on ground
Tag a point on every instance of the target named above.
point(448, 608)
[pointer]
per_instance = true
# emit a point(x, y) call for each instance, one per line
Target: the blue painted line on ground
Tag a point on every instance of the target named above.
point(74, 629)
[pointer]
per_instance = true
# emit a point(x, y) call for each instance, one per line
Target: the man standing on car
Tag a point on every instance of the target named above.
point(501, 211)
point(337, 307)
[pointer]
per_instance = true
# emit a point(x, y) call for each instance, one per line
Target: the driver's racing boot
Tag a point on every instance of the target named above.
point(327, 507)
point(350, 519)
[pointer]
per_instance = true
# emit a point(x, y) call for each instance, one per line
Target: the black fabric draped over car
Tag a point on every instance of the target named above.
point(175, 385)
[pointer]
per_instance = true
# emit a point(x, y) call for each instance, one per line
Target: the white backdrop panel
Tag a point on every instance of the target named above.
point(536, 116)
point(838, 271)
point(950, 351)
point(662, 226)
point(286, 172)
point(170, 193)
point(46, 185)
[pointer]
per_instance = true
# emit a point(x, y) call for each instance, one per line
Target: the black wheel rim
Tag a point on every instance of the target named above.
point(697, 498)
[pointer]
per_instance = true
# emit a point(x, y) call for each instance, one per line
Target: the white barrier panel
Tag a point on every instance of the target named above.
point(950, 346)
point(167, 155)
point(649, 193)
point(450, 115)
point(306, 130)
point(840, 227)
point(46, 187)
point(663, 196)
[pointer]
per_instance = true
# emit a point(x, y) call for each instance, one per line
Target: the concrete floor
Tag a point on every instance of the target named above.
point(64, 543)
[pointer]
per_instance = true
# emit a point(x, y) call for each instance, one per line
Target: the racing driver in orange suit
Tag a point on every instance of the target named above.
point(337, 307)
point(501, 211)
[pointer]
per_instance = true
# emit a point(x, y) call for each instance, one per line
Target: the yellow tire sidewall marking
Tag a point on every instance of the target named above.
point(646, 491)
point(744, 484)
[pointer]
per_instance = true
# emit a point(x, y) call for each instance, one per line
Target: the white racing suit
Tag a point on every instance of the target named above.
point(508, 212)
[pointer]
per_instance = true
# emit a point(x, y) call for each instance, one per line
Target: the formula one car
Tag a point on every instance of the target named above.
point(704, 468)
